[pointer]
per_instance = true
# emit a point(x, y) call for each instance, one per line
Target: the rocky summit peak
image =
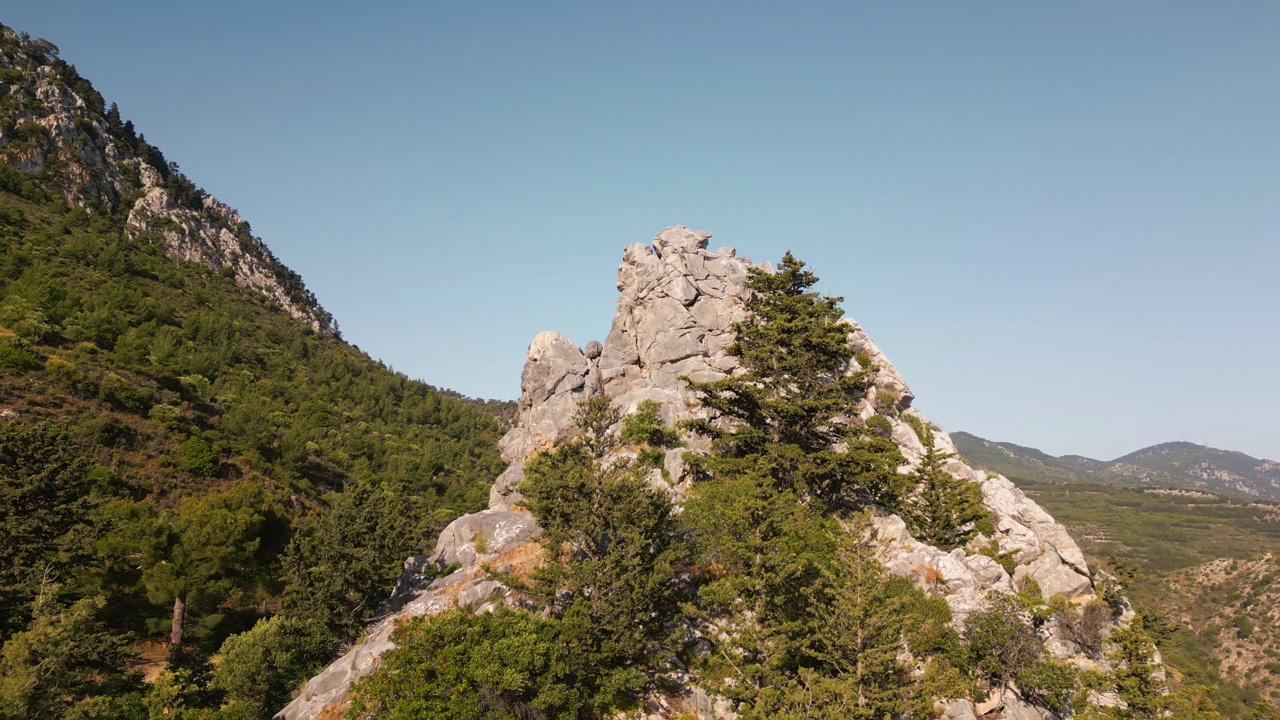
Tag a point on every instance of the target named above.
point(678, 238)
point(677, 305)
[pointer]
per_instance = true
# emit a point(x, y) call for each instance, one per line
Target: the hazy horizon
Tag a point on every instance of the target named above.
point(1060, 223)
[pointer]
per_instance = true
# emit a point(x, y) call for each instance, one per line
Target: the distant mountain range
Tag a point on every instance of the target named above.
point(1172, 464)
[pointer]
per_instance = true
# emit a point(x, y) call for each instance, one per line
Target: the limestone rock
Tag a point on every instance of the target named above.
point(557, 376)
point(419, 592)
point(674, 319)
point(484, 533)
point(94, 166)
point(959, 710)
point(504, 494)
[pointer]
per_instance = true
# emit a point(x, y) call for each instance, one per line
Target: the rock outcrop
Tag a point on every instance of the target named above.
point(499, 539)
point(674, 318)
point(54, 127)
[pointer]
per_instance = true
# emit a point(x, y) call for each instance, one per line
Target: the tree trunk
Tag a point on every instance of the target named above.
point(179, 616)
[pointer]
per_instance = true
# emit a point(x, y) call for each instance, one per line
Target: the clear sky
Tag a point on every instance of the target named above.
point(1060, 220)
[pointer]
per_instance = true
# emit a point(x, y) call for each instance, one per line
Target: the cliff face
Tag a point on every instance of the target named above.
point(55, 128)
point(678, 302)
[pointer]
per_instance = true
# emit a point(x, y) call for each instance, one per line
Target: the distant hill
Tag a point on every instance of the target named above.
point(1208, 562)
point(1173, 464)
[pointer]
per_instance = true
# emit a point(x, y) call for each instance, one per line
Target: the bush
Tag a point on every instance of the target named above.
point(26, 320)
point(645, 427)
point(61, 371)
point(106, 431)
point(1002, 643)
point(491, 666)
point(1048, 682)
point(880, 426)
point(1007, 560)
point(1081, 625)
point(260, 667)
point(196, 456)
point(167, 416)
point(17, 359)
point(120, 393)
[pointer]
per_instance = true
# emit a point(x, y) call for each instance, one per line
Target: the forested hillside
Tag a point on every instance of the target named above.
point(182, 452)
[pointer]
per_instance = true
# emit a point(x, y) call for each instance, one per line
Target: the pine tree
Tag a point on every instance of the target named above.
point(860, 629)
point(65, 657)
point(44, 492)
point(943, 510)
point(793, 412)
point(214, 545)
point(614, 538)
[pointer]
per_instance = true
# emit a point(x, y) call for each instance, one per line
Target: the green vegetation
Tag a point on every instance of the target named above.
point(186, 463)
point(614, 552)
point(611, 592)
point(944, 511)
point(769, 555)
point(505, 665)
point(1172, 554)
point(1157, 530)
point(795, 350)
point(183, 461)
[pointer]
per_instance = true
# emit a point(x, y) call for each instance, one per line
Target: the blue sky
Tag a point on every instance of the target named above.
point(1061, 221)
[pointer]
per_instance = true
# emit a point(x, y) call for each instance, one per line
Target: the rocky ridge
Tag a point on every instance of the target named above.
point(55, 127)
point(678, 301)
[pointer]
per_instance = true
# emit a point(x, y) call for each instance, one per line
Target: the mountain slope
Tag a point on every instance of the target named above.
point(1206, 561)
point(57, 129)
point(186, 445)
point(1173, 464)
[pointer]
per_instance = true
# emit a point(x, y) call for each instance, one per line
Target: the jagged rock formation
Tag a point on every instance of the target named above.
point(678, 302)
point(54, 127)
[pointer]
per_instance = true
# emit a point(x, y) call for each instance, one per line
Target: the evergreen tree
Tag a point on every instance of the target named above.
point(63, 659)
point(793, 412)
point(1135, 669)
point(44, 491)
point(942, 510)
point(339, 565)
point(613, 543)
point(860, 630)
point(214, 545)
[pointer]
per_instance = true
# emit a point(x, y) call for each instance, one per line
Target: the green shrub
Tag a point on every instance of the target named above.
point(166, 416)
point(260, 667)
point(1048, 682)
point(196, 456)
point(106, 431)
point(1002, 643)
point(502, 665)
point(880, 426)
point(17, 359)
point(645, 427)
point(1007, 560)
point(122, 394)
point(63, 372)
point(26, 320)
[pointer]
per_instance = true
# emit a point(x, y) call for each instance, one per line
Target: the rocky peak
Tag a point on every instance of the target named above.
point(677, 305)
point(56, 128)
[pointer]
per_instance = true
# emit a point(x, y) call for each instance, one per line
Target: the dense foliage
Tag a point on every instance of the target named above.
point(181, 459)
